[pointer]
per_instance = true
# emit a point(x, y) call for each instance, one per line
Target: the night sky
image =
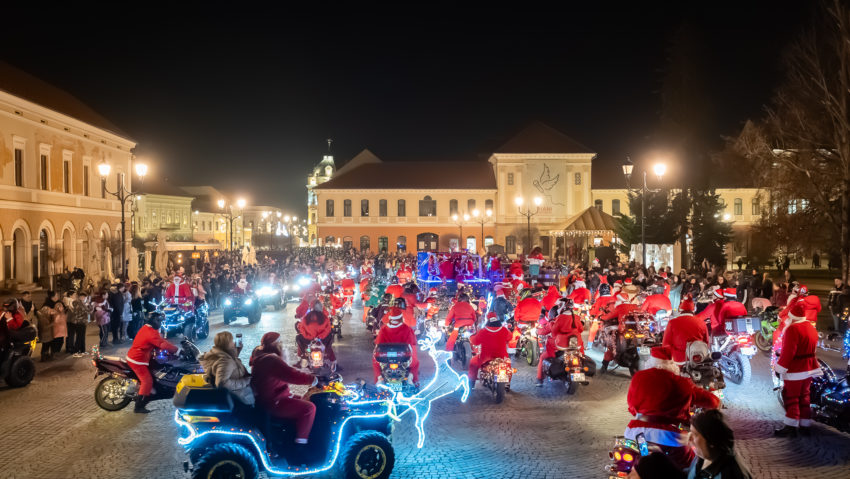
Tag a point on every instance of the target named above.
point(244, 98)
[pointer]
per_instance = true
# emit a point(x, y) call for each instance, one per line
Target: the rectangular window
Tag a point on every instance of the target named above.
point(756, 207)
point(402, 208)
point(66, 176)
point(510, 178)
point(86, 180)
point(470, 205)
point(346, 208)
point(739, 206)
point(364, 207)
point(43, 172)
point(19, 167)
point(598, 204)
point(329, 208)
point(510, 244)
point(382, 208)
point(383, 243)
point(615, 207)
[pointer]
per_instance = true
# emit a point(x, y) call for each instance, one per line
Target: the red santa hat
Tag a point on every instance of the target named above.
point(664, 274)
point(661, 353)
point(628, 280)
point(718, 293)
point(396, 315)
point(803, 291)
point(687, 305)
point(618, 283)
point(797, 311)
point(730, 293)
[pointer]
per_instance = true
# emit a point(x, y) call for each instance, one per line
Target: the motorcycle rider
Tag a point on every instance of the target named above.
point(396, 331)
point(493, 342)
point(599, 308)
point(411, 302)
point(684, 329)
point(712, 312)
point(660, 400)
point(622, 307)
point(139, 357)
point(461, 314)
point(657, 301)
point(580, 292)
point(315, 324)
point(501, 306)
point(528, 309)
point(566, 325)
point(242, 286)
point(179, 289)
point(797, 365)
point(394, 288)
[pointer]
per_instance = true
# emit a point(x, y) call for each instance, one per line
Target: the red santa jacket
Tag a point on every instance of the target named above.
point(314, 325)
point(564, 326)
point(306, 302)
point(619, 311)
point(347, 285)
point(663, 400)
point(515, 269)
point(713, 311)
point(527, 310)
point(552, 296)
point(237, 290)
point(183, 291)
point(493, 343)
point(271, 377)
point(600, 304)
point(798, 360)
point(397, 333)
point(395, 289)
point(656, 302)
point(681, 330)
point(146, 340)
point(580, 295)
point(730, 309)
point(410, 303)
point(462, 313)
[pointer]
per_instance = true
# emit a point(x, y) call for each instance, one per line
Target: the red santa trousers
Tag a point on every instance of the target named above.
point(414, 368)
point(298, 410)
point(145, 378)
point(795, 396)
point(450, 343)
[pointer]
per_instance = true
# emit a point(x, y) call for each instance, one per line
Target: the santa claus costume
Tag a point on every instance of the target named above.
point(492, 342)
point(660, 400)
point(797, 365)
point(683, 330)
point(395, 331)
point(565, 326)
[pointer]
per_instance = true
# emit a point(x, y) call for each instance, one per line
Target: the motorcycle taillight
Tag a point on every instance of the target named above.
point(317, 355)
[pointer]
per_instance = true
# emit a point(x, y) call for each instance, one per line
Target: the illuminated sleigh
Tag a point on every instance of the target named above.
point(352, 428)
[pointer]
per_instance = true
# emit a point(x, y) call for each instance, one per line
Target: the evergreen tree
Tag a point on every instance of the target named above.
point(710, 232)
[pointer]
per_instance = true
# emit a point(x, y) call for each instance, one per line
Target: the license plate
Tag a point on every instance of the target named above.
point(643, 350)
point(394, 386)
point(577, 377)
point(502, 377)
point(749, 326)
point(748, 351)
point(318, 364)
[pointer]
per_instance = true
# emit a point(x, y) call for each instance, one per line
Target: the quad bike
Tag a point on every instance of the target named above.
point(242, 305)
point(184, 318)
point(16, 365)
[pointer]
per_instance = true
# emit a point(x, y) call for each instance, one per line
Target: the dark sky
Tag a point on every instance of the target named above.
point(243, 97)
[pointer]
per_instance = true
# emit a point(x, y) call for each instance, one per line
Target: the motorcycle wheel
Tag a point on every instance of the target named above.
point(21, 372)
point(102, 391)
point(499, 392)
point(228, 318)
point(189, 332)
point(226, 460)
point(736, 368)
point(764, 344)
point(572, 387)
point(204, 331)
point(462, 353)
point(367, 455)
point(532, 353)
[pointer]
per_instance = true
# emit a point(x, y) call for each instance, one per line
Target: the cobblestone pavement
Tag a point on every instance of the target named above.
point(54, 429)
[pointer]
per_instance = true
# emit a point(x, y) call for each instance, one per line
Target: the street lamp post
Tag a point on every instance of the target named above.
point(122, 193)
point(481, 219)
point(229, 214)
point(528, 214)
point(291, 224)
point(659, 169)
point(459, 222)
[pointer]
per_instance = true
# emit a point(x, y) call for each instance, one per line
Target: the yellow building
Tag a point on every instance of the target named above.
point(321, 173)
point(212, 222)
point(53, 211)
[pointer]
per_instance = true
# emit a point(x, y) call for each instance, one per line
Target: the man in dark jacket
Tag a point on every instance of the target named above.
point(115, 298)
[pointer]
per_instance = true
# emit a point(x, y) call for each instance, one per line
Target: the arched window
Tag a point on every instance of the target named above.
point(402, 208)
point(470, 205)
point(510, 244)
point(346, 208)
point(329, 240)
point(739, 206)
point(364, 244)
point(615, 207)
point(347, 243)
point(452, 207)
point(364, 207)
point(383, 243)
point(470, 244)
point(382, 207)
point(598, 204)
point(329, 207)
point(427, 207)
point(488, 240)
point(401, 243)
point(488, 205)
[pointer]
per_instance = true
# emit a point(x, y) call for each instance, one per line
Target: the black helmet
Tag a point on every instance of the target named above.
point(605, 289)
point(411, 287)
point(10, 304)
point(155, 319)
point(394, 280)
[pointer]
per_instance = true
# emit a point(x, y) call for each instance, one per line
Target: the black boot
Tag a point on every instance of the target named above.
point(140, 408)
point(604, 367)
point(786, 431)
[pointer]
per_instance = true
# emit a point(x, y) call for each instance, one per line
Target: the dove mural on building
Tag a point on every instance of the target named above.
point(545, 183)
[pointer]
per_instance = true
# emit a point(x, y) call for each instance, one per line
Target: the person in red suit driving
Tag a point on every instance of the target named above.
point(731, 308)
point(656, 302)
point(599, 308)
point(461, 314)
point(660, 400)
point(623, 306)
point(270, 380)
point(712, 311)
point(396, 331)
point(528, 310)
point(139, 357)
point(493, 343)
point(394, 288)
point(179, 289)
point(797, 365)
point(315, 324)
point(565, 326)
point(684, 329)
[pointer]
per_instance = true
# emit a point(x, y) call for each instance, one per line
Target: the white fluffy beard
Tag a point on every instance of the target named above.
point(670, 366)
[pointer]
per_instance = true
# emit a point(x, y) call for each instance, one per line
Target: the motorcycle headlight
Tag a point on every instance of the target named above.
point(285, 287)
point(249, 302)
point(228, 302)
point(295, 287)
point(304, 281)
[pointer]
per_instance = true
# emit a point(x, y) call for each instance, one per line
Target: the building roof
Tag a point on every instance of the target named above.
point(461, 175)
point(590, 221)
point(159, 186)
point(362, 158)
point(30, 88)
point(541, 138)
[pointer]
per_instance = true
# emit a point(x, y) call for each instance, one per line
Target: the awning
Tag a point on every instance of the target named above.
point(590, 222)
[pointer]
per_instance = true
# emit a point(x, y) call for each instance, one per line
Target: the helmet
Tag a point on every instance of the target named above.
point(155, 319)
point(10, 304)
point(525, 293)
point(394, 280)
point(604, 289)
point(563, 306)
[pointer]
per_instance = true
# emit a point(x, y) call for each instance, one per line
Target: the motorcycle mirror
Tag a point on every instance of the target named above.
point(716, 355)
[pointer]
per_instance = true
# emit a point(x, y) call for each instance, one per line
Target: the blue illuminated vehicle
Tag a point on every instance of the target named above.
point(241, 305)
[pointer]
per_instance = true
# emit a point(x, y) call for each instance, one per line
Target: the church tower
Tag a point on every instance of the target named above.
point(321, 173)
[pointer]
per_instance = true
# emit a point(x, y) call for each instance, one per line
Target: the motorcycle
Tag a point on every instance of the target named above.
point(192, 322)
point(701, 367)
point(496, 376)
point(236, 305)
point(314, 359)
point(16, 365)
point(624, 454)
point(763, 338)
point(736, 348)
point(119, 388)
point(394, 360)
point(336, 325)
point(462, 352)
point(632, 339)
point(529, 343)
point(570, 366)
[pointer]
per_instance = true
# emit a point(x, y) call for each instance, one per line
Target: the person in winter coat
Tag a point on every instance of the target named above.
point(270, 380)
point(315, 324)
point(461, 314)
point(78, 318)
point(660, 399)
point(714, 444)
point(139, 357)
point(126, 314)
point(116, 311)
point(493, 342)
point(100, 308)
point(224, 369)
point(501, 306)
point(397, 331)
point(60, 328)
point(797, 365)
point(45, 317)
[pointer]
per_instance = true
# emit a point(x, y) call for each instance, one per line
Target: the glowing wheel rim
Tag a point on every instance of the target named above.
point(370, 462)
point(226, 469)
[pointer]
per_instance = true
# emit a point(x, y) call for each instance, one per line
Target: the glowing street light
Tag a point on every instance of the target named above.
point(659, 169)
point(122, 193)
point(519, 200)
point(230, 215)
